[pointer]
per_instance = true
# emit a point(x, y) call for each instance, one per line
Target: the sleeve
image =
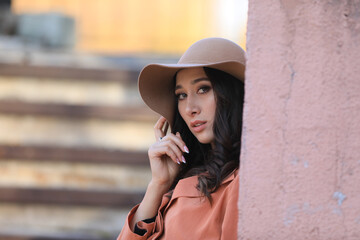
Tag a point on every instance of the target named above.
point(140, 231)
point(149, 228)
point(145, 228)
point(230, 222)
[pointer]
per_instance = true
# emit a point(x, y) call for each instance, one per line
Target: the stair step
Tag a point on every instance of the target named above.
point(19, 173)
point(49, 221)
point(121, 113)
point(70, 197)
point(75, 132)
point(24, 237)
point(125, 76)
point(73, 145)
point(73, 154)
point(69, 85)
point(69, 91)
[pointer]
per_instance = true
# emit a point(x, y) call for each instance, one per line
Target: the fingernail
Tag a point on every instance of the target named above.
point(183, 159)
point(177, 160)
point(186, 149)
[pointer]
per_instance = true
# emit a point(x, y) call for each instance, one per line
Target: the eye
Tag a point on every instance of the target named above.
point(181, 96)
point(204, 89)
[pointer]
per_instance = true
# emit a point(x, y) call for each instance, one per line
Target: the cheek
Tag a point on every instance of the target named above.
point(181, 109)
point(211, 106)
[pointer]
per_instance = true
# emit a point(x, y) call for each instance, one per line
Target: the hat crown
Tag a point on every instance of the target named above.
point(213, 50)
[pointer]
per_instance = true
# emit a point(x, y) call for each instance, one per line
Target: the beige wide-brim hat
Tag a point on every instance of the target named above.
point(156, 83)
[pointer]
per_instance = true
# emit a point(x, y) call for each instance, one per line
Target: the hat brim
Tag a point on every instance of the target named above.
point(156, 83)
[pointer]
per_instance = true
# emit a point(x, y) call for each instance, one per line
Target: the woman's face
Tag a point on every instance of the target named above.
point(196, 102)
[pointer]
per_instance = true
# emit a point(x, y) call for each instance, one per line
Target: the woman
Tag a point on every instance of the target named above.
point(194, 187)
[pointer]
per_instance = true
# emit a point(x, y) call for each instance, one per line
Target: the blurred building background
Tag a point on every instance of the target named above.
point(73, 129)
point(138, 26)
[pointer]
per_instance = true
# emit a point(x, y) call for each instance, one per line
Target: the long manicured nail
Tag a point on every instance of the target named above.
point(183, 159)
point(186, 149)
point(177, 160)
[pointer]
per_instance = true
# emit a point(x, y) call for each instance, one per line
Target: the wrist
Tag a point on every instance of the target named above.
point(158, 186)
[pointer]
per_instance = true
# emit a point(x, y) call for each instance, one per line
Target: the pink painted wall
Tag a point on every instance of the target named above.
point(300, 160)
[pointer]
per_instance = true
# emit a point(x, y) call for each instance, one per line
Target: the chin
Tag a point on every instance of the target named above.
point(205, 140)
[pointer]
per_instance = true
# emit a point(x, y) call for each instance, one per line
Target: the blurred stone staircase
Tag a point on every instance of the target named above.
point(73, 145)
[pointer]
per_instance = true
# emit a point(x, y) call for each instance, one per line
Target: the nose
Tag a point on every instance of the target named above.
point(192, 106)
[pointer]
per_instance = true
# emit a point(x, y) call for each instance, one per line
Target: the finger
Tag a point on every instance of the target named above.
point(177, 145)
point(158, 128)
point(175, 148)
point(163, 148)
point(168, 150)
point(166, 127)
point(184, 147)
point(160, 122)
point(177, 140)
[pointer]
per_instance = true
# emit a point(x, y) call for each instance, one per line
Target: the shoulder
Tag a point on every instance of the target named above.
point(230, 185)
point(232, 178)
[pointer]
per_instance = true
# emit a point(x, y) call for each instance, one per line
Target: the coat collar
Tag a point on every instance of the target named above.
point(186, 187)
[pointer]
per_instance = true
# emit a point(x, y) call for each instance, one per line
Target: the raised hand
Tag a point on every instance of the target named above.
point(166, 154)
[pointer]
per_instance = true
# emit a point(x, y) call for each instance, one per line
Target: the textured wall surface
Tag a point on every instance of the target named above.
point(300, 160)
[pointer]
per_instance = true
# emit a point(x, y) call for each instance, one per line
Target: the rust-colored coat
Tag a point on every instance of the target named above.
point(187, 215)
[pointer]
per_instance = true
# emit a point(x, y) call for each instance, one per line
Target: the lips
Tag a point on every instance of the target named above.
point(198, 126)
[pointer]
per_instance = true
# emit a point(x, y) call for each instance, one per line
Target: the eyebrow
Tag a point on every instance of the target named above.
point(194, 82)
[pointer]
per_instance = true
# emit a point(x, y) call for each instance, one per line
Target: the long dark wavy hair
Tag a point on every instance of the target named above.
point(212, 166)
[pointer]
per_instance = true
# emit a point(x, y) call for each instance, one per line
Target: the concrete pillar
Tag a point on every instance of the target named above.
point(300, 159)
